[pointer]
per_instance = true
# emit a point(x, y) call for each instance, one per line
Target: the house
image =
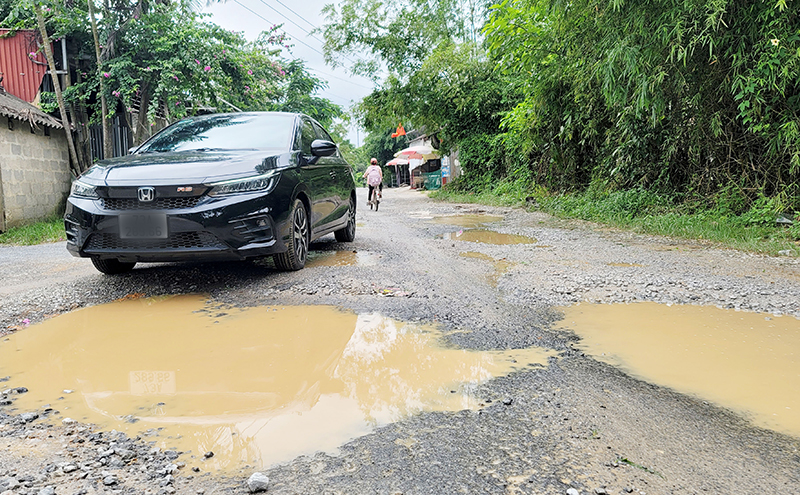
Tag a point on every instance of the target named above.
point(34, 163)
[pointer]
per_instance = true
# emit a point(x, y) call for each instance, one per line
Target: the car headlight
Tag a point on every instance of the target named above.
point(258, 183)
point(83, 190)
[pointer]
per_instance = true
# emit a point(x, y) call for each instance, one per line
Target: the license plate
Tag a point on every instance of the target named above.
point(143, 226)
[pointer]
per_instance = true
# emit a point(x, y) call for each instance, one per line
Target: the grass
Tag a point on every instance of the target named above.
point(647, 213)
point(49, 230)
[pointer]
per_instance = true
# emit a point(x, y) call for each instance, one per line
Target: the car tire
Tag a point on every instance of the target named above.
point(348, 233)
point(112, 266)
point(295, 256)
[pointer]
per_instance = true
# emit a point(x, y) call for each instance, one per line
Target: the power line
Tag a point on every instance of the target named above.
point(268, 22)
point(296, 24)
point(340, 78)
point(295, 13)
point(306, 44)
point(300, 27)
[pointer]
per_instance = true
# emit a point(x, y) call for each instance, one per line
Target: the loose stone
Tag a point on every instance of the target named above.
point(258, 482)
point(28, 417)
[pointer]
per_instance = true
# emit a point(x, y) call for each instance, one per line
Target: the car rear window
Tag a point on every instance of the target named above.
point(225, 132)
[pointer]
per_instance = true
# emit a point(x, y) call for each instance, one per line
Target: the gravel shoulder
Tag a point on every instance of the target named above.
point(577, 424)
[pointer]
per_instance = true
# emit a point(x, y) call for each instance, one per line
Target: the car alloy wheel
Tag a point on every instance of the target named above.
point(295, 256)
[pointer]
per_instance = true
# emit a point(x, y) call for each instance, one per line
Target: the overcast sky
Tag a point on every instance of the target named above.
point(344, 89)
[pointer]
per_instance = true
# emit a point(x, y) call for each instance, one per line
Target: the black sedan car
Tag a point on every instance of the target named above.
point(217, 187)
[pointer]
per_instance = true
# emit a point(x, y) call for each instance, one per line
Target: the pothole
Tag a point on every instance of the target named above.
point(255, 386)
point(484, 236)
point(466, 221)
point(745, 361)
point(500, 266)
point(341, 258)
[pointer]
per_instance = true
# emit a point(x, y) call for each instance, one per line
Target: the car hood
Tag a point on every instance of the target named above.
point(186, 167)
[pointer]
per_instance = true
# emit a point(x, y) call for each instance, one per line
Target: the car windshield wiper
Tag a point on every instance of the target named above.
point(203, 150)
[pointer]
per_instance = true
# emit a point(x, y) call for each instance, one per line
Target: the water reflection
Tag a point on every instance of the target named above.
point(256, 385)
point(487, 237)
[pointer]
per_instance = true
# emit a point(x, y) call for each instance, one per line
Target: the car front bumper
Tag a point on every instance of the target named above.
point(231, 228)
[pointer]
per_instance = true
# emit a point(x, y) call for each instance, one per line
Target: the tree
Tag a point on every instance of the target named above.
point(297, 94)
point(76, 163)
point(398, 35)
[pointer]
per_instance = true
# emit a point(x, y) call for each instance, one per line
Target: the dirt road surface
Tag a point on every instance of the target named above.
point(578, 424)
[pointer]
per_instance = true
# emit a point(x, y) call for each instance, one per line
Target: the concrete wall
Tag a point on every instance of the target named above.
point(34, 172)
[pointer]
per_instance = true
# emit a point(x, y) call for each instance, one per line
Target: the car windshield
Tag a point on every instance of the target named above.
point(236, 131)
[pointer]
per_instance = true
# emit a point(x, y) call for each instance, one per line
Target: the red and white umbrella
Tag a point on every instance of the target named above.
point(397, 161)
point(420, 152)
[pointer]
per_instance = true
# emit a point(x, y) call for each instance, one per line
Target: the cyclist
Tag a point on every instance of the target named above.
point(374, 176)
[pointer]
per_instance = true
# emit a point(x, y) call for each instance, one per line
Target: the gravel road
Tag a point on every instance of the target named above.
point(578, 424)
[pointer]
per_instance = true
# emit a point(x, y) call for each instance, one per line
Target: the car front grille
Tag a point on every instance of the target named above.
point(158, 204)
point(179, 240)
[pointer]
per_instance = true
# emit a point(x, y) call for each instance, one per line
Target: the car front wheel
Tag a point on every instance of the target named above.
point(112, 266)
point(295, 256)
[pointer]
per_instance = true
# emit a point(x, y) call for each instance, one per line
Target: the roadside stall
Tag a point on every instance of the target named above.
point(424, 166)
point(401, 173)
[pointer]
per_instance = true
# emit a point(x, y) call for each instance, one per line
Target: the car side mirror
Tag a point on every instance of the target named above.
point(131, 150)
point(321, 147)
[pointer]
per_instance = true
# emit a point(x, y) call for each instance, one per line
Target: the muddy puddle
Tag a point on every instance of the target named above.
point(748, 362)
point(466, 221)
point(500, 266)
point(341, 258)
point(484, 236)
point(254, 386)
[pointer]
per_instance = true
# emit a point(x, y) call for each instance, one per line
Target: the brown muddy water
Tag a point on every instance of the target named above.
point(256, 386)
point(466, 221)
point(341, 258)
point(748, 362)
point(500, 266)
point(484, 236)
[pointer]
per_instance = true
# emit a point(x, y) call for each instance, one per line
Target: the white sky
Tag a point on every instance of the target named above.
point(344, 89)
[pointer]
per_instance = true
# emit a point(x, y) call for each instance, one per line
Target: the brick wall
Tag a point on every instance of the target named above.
point(34, 172)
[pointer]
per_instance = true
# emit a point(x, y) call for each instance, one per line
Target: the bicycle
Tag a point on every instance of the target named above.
point(375, 198)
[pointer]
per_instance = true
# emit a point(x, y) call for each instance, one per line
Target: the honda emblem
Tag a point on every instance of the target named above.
point(146, 194)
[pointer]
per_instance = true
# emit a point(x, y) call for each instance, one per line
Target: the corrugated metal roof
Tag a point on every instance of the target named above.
point(11, 106)
point(21, 75)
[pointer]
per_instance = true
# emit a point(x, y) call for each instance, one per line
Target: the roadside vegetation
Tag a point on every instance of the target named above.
point(671, 118)
point(728, 222)
point(50, 230)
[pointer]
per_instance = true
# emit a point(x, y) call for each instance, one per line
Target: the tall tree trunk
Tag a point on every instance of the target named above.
point(48, 51)
point(74, 112)
point(108, 145)
point(142, 131)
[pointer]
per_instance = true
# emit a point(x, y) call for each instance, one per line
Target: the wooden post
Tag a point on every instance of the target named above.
point(108, 145)
point(48, 51)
